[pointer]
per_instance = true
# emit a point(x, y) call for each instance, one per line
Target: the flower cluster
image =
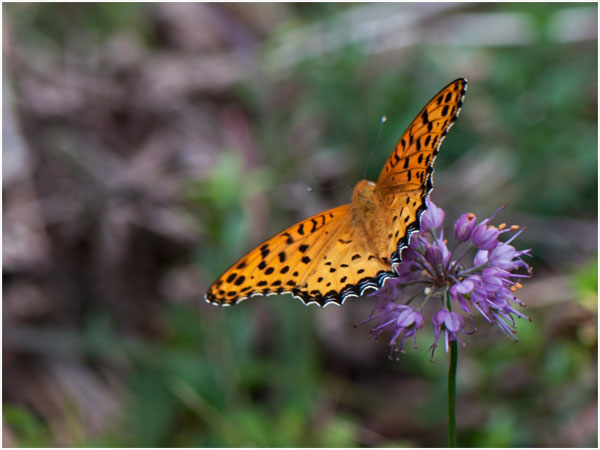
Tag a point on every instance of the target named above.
point(487, 284)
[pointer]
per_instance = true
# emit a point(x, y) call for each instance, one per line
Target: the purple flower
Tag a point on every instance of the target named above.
point(448, 322)
point(460, 290)
point(432, 271)
point(401, 321)
point(505, 256)
point(433, 217)
point(491, 279)
point(485, 237)
point(463, 287)
point(502, 256)
point(481, 257)
point(464, 227)
point(407, 272)
point(433, 255)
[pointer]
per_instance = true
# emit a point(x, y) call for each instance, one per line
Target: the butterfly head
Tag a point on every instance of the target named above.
point(364, 194)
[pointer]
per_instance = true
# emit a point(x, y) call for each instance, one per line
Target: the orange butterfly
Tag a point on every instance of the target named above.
point(348, 250)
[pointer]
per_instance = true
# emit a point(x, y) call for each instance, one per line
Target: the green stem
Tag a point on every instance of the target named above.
point(452, 385)
point(452, 395)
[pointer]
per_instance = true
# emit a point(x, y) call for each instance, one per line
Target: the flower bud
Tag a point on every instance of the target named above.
point(433, 255)
point(464, 226)
point(485, 237)
point(433, 217)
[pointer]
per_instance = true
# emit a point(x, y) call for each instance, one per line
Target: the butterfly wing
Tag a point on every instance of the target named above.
point(319, 260)
point(406, 179)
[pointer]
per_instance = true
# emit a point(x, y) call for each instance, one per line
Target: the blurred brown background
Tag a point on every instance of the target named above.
point(146, 147)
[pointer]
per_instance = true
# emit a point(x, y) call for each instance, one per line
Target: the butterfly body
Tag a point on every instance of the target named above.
point(345, 251)
point(369, 220)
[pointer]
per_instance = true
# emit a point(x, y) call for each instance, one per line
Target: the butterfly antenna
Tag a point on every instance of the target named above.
point(383, 120)
point(333, 188)
point(329, 189)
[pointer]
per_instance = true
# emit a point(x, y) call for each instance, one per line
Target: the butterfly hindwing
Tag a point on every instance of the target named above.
point(345, 267)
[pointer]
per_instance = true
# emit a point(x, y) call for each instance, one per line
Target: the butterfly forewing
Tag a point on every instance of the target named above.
point(406, 179)
point(279, 264)
point(416, 149)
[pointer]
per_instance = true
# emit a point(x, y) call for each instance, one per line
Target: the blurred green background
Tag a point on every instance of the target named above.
point(147, 147)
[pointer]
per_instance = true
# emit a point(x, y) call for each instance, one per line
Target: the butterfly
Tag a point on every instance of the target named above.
point(349, 250)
